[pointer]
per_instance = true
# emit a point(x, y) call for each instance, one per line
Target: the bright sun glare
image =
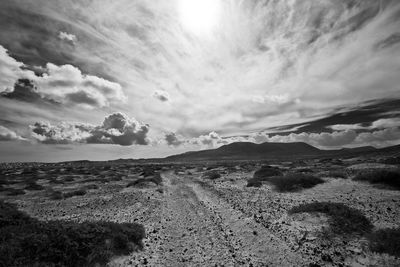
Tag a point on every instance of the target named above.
point(199, 16)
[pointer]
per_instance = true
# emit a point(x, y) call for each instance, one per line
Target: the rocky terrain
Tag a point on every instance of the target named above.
point(204, 214)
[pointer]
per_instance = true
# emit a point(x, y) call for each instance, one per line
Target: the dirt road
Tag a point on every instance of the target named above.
point(197, 228)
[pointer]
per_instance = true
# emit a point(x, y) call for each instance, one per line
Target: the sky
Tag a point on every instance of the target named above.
point(99, 79)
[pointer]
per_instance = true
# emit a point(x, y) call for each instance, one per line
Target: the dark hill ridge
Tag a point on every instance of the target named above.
point(248, 150)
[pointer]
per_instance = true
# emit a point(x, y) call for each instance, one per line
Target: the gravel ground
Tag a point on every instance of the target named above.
point(190, 221)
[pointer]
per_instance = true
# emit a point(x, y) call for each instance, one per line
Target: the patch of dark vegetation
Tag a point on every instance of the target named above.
point(267, 171)
point(116, 178)
point(69, 179)
point(156, 179)
point(256, 182)
point(26, 241)
point(160, 190)
point(305, 170)
point(56, 195)
point(91, 180)
point(55, 181)
point(343, 220)
point(385, 241)
point(212, 175)
point(337, 174)
point(264, 174)
point(33, 186)
point(389, 178)
point(15, 191)
point(393, 160)
point(148, 171)
point(91, 186)
point(78, 192)
point(293, 182)
point(290, 182)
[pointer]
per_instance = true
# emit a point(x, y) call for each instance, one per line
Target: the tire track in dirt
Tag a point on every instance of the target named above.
point(198, 228)
point(189, 234)
point(251, 240)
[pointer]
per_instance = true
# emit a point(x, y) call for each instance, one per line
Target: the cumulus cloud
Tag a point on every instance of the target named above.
point(10, 71)
point(117, 128)
point(173, 139)
point(9, 135)
point(67, 84)
point(67, 37)
point(64, 84)
point(161, 95)
point(276, 99)
point(212, 139)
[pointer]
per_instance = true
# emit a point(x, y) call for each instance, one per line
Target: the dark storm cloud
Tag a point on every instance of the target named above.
point(116, 128)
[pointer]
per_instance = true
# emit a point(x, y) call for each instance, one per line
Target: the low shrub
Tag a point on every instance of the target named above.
point(69, 179)
point(55, 181)
point(91, 180)
point(393, 160)
point(33, 186)
point(385, 241)
point(264, 174)
point(26, 241)
point(305, 170)
point(15, 192)
point(79, 192)
point(255, 182)
point(148, 171)
point(384, 177)
point(212, 175)
point(342, 219)
point(337, 174)
point(91, 186)
point(293, 182)
point(56, 195)
point(267, 171)
point(156, 179)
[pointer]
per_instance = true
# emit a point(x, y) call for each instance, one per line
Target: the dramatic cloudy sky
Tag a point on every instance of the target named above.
point(99, 79)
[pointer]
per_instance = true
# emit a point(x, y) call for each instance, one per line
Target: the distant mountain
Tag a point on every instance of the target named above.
point(248, 150)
